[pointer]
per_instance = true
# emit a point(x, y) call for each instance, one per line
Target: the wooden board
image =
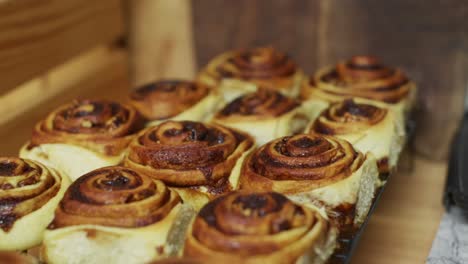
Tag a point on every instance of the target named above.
point(404, 224)
point(57, 80)
point(36, 35)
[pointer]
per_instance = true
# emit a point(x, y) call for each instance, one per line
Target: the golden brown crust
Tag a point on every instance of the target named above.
point(8, 257)
point(299, 163)
point(167, 98)
point(188, 154)
point(98, 125)
point(361, 76)
point(263, 66)
point(347, 117)
point(114, 196)
point(245, 225)
point(263, 103)
point(25, 186)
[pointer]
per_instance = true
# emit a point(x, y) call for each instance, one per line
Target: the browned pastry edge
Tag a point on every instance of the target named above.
point(114, 196)
point(264, 66)
point(102, 126)
point(347, 117)
point(299, 163)
point(189, 154)
point(261, 103)
point(167, 98)
point(25, 187)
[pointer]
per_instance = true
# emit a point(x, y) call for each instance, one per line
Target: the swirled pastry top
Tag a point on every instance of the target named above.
point(262, 103)
point(186, 153)
point(244, 224)
point(361, 76)
point(25, 186)
point(347, 117)
point(99, 125)
point(114, 196)
point(167, 98)
point(263, 66)
point(300, 163)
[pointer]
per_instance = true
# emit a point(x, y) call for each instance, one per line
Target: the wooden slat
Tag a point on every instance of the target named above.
point(36, 35)
point(108, 81)
point(402, 228)
point(291, 26)
point(57, 80)
point(160, 40)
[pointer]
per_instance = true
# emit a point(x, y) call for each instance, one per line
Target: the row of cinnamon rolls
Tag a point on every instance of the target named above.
point(272, 163)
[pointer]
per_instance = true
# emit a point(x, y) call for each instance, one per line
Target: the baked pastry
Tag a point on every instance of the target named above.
point(29, 194)
point(368, 126)
point(265, 227)
point(9, 257)
point(363, 77)
point(240, 71)
point(197, 160)
point(265, 114)
point(315, 170)
point(112, 215)
point(175, 100)
point(83, 135)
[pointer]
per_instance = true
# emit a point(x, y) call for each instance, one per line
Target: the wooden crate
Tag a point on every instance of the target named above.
point(52, 51)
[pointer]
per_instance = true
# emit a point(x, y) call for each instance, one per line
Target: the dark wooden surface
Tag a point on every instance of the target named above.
point(427, 38)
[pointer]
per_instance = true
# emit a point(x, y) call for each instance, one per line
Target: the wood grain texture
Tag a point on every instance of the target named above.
point(57, 80)
point(36, 35)
point(427, 38)
point(160, 40)
point(287, 25)
point(109, 81)
point(405, 222)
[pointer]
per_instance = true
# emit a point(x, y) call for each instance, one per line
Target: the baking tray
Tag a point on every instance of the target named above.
point(347, 242)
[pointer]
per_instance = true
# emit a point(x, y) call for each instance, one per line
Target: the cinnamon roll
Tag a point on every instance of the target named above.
point(369, 126)
point(197, 160)
point(265, 114)
point(265, 227)
point(175, 100)
point(240, 71)
point(363, 77)
point(112, 215)
point(315, 170)
point(83, 135)
point(29, 194)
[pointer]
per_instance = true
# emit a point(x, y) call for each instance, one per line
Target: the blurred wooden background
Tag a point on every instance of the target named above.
point(427, 38)
point(54, 50)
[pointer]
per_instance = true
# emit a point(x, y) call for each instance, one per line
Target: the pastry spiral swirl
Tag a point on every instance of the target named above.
point(265, 114)
point(167, 98)
point(29, 194)
point(348, 117)
point(187, 153)
point(369, 126)
point(315, 170)
point(114, 209)
point(98, 125)
point(245, 70)
point(114, 196)
point(255, 227)
point(262, 103)
point(298, 163)
point(361, 76)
